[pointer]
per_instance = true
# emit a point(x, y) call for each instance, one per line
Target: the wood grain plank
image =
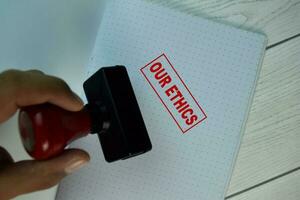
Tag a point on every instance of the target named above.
point(286, 187)
point(278, 19)
point(271, 144)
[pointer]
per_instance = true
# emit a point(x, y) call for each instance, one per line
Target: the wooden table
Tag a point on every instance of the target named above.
point(268, 164)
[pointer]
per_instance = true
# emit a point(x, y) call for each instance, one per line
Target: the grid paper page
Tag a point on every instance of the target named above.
point(217, 62)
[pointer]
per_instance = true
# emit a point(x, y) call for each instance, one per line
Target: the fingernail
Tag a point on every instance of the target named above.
point(75, 166)
point(77, 98)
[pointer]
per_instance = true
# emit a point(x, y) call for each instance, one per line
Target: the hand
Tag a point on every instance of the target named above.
point(17, 89)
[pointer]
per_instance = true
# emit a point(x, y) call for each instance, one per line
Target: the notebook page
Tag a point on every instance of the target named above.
point(218, 63)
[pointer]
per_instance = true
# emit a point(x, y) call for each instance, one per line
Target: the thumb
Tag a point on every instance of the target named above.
point(28, 176)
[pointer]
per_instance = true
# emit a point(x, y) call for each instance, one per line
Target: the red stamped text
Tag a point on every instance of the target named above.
point(173, 93)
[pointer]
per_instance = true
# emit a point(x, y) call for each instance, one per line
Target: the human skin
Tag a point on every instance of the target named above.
point(24, 88)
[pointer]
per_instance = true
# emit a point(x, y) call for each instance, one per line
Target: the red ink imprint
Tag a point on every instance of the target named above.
point(173, 93)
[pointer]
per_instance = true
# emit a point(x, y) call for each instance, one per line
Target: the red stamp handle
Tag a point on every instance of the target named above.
point(46, 129)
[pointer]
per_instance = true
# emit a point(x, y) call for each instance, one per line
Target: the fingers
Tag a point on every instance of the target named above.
point(35, 71)
point(5, 158)
point(28, 176)
point(23, 88)
point(34, 87)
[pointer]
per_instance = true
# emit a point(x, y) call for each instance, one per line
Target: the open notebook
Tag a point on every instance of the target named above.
point(214, 66)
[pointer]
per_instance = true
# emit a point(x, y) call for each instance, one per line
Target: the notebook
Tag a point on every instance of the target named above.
point(212, 67)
